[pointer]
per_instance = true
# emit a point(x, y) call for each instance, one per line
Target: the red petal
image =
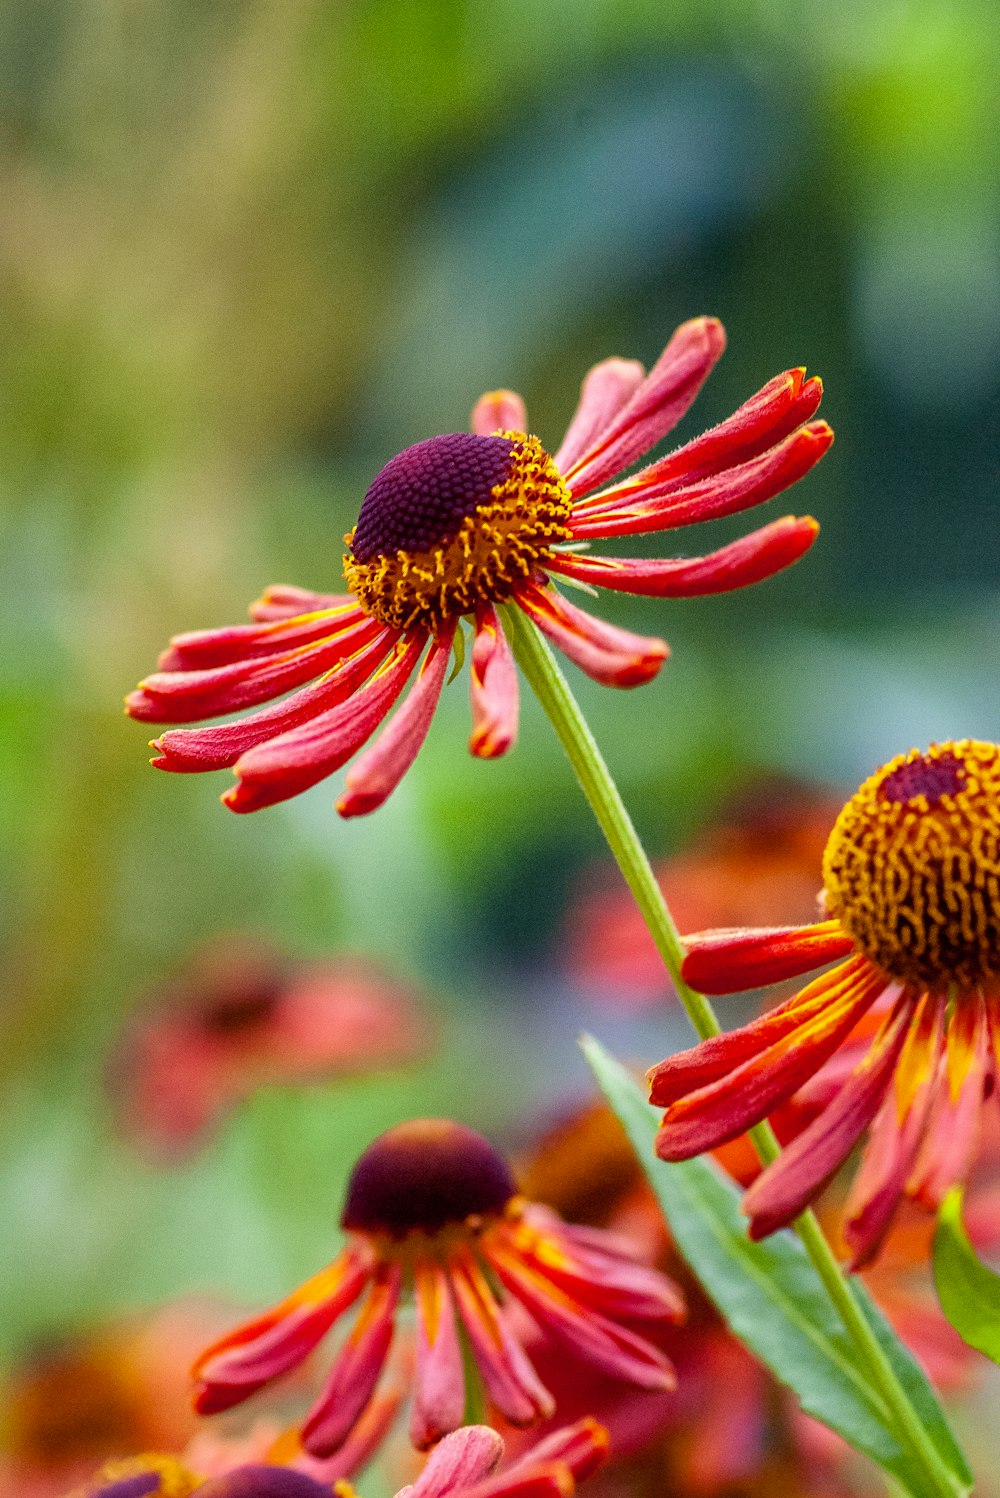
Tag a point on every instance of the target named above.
point(643, 504)
point(657, 406)
point(380, 769)
point(508, 1377)
point(801, 1171)
point(298, 759)
point(283, 601)
point(439, 1396)
point(719, 962)
point(726, 1108)
point(751, 559)
point(356, 1369)
point(583, 1447)
point(711, 1059)
point(492, 687)
point(784, 403)
point(187, 750)
point(260, 1350)
point(606, 390)
point(615, 657)
point(498, 411)
point(952, 1131)
point(186, 696)
point(239, 642)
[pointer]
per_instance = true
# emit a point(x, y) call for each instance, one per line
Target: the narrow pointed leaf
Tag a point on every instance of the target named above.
point(775, 1302)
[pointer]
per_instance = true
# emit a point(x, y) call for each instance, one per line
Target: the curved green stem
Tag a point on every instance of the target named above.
point(552, 690)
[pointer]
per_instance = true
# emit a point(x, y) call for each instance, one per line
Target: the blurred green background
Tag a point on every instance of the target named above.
point(249, 251)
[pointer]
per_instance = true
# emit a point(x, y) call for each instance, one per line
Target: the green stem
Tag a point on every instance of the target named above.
point(552, 690)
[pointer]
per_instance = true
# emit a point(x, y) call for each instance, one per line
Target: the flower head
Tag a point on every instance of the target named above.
point(464, 1465)
point(457, 526)
point(432, 1209)
point(911, 881)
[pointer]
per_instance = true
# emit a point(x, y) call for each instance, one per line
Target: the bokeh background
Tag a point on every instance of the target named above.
point(250, 249)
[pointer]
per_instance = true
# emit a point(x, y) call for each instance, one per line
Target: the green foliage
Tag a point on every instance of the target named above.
point(775, 1302)
point(969, 1291)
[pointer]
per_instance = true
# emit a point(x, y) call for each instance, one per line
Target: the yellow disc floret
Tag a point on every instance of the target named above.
point(173, 1480)
point(452, 522)
point(912, 867)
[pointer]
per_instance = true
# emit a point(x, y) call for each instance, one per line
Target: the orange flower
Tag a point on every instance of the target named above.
point(911, 879)
point(459, 524)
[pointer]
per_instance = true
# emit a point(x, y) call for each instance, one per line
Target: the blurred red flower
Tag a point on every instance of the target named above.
point(242, 1016)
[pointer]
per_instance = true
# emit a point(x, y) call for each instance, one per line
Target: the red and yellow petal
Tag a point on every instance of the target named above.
point(721, 962)
point(749, 560)
point(493, 688)
point(373, 778)
point(244, 1360)
point(612, 656)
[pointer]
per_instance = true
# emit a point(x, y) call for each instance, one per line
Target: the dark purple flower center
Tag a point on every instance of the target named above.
point(421, 496)
point(263, 1482)
point(131, 1487)
point(423, 1176)
point(924, 776)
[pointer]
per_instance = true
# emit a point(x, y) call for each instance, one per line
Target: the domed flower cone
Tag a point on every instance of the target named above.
point(457, 525)
point(432, 1210)
point(911, 881)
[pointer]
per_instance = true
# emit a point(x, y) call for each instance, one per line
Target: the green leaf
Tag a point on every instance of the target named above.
point(968, 1290)
point(775, 1302)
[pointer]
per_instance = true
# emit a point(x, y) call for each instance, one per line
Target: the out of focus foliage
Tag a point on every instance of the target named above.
point(248, 251)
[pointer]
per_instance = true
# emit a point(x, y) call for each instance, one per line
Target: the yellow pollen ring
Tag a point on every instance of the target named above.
point(914, 876)
point(494, 549)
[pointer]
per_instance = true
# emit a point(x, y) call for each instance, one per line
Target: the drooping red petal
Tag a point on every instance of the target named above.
point(636, 507)
point(796, 1178)
point(356, 1369)
point(245, 1359)
point(492, 687)
point(714, 1114)
point(712, 1059)
point(606, 390)
point(283, 601)
point(583, 1447)
point(374, 777)
point(748, 560)
point(510, 1381)
point(439, 1396)
point(780, 407)
point(187, 696)
point(498, 411)
point(294, 761)
point(656, 407)
point(199, 649)
point(594, 1337)
point(464, 1457)
point(953, 1128)
point(896, 1133)
point(720, 962)
point(615, 657)
point(188, 750)
point(594, 1276)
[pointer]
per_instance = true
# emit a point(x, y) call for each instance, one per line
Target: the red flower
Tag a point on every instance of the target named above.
point(912, 889)
point(243, 1016)
point(432, 1208)
point(457, 525)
